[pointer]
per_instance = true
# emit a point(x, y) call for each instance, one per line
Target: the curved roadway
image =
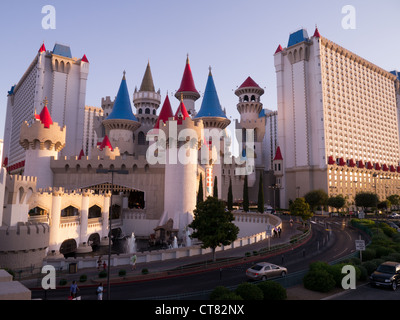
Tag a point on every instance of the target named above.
point(330, 241)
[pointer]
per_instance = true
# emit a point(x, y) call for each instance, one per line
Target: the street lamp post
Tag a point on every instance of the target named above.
point(112, 171)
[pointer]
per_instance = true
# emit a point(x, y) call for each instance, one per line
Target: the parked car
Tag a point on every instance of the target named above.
point(386, 275)
point(394, 216)
point(265, 270)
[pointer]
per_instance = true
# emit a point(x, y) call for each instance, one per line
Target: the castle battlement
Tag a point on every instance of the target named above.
point(86, 164)
point(19, 178)
point(36, 136)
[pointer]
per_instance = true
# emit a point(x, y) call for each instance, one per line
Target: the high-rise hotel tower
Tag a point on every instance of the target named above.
point(337, 120)
point(60, 79)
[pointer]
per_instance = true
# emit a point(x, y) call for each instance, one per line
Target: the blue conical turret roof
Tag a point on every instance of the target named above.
point(210, 107)
point(122, 109)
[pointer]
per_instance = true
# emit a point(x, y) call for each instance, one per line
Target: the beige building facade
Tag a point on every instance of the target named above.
point(345, 134)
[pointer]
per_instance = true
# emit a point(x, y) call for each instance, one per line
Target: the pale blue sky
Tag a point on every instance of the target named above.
point(237, 38)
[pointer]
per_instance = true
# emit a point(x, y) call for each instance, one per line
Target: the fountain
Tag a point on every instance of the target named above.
point(188, 239)
point(131, 244)
point(175, 244)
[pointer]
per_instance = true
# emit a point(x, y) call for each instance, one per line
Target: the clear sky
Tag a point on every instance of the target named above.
point(236, 38)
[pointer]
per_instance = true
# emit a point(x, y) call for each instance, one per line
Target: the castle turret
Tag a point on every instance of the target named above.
point(146, 101)
point(42, 140)
point(181, 169)
point(215, 120)
point(121, 123)
point(188, 90)
point(251, 118)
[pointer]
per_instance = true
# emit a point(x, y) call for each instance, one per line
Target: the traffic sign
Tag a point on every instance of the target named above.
point(360, 245)
point(269, 230)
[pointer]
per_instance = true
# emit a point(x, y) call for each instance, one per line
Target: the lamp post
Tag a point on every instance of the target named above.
point(112, 171)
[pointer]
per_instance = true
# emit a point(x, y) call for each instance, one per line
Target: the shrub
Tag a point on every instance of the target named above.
point(247, 254)
point(62, 282)
point(382, 251)
point(122, 272)
point(395, 256)
point(230, 296)
point(272, 290)
point(369, 266)
point(249, 291)
point(368, 254)
point(363, 272)
point(319, 280)
point(218, 292)
point(145, 271)
point(103, 274)
point(83, 278)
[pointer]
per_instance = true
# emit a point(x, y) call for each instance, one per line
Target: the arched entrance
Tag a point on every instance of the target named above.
point(68, 247)
point(94, 239)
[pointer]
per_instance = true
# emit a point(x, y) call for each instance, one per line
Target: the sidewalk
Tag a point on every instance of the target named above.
point(172, 267)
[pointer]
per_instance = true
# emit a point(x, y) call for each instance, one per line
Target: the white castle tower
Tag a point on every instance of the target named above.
point(42, 141)
point(146, 102)
point(251, 118)
point(181, 169)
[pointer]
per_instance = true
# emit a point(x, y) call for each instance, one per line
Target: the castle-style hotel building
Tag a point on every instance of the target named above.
point(336, 128)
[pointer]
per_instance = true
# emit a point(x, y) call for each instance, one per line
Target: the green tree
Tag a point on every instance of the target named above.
point(212, 225)
point(260, 203)
point(301, 208)
point(366, 199)
point(336, 202)
point(394, 199)
point(215, 189)
point(245, 195)
point(316, 198)
point(230, 196)
point(200, 195)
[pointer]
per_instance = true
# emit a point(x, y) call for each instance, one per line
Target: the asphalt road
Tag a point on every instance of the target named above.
point(366, 292)
point(330, 241)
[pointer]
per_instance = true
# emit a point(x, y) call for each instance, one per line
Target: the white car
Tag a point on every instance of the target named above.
point(394, 216)
point(265, 270)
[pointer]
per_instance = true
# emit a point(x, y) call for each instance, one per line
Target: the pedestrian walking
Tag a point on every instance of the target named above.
point(73, 290)
point(279, 231)
point(99, 291)
point(99, 263)
point(104, 266)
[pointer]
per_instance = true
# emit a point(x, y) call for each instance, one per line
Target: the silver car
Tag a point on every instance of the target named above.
point(265, 270)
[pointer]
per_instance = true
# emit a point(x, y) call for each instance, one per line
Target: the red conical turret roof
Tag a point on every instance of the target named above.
point(106, 143)
point(45, 117)
point(165, 114)
point(316, 33)
point(279, 49)
point(249, 82)
point(181, 113)
point(42, 48)
point(278, 154)
point(187, 83)
point(85, 59)
point(81, 154)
